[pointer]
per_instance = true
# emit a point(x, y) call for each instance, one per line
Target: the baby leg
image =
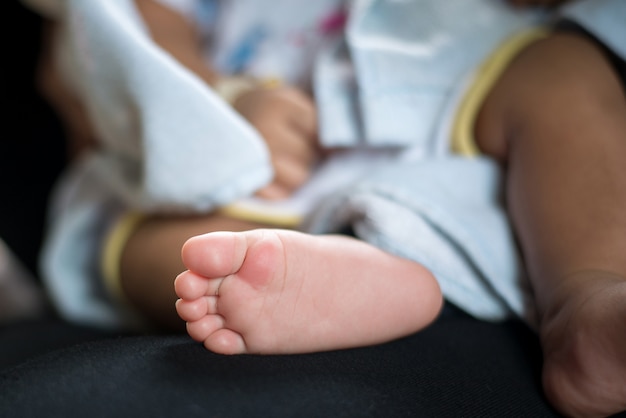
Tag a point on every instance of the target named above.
point(277, 291)
point(557, 121)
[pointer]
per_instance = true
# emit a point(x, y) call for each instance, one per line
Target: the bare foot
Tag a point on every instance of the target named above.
point(277, 292)
point(584, 341)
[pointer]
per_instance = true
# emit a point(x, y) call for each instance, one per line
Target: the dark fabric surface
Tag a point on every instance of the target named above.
point(459, 367)
point(25, 339)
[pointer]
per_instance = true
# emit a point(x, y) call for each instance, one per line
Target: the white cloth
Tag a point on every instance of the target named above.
point(162, 129)
point(447, 214)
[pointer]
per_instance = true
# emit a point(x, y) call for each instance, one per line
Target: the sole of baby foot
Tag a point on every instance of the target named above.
point(278, 292)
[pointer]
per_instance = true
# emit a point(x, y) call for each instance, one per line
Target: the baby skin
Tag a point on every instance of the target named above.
point(269, 291)
point(556, 119)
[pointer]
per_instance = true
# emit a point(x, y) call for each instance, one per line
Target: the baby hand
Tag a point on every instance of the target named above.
point(286, 118)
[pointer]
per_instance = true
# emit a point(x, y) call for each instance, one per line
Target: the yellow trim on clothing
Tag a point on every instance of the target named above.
point(274, 219)
point(112, 252)
point(488, 73)
point(231, 88)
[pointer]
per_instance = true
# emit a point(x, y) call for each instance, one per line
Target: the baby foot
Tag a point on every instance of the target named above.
point(276, 292)
point(584, 343)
